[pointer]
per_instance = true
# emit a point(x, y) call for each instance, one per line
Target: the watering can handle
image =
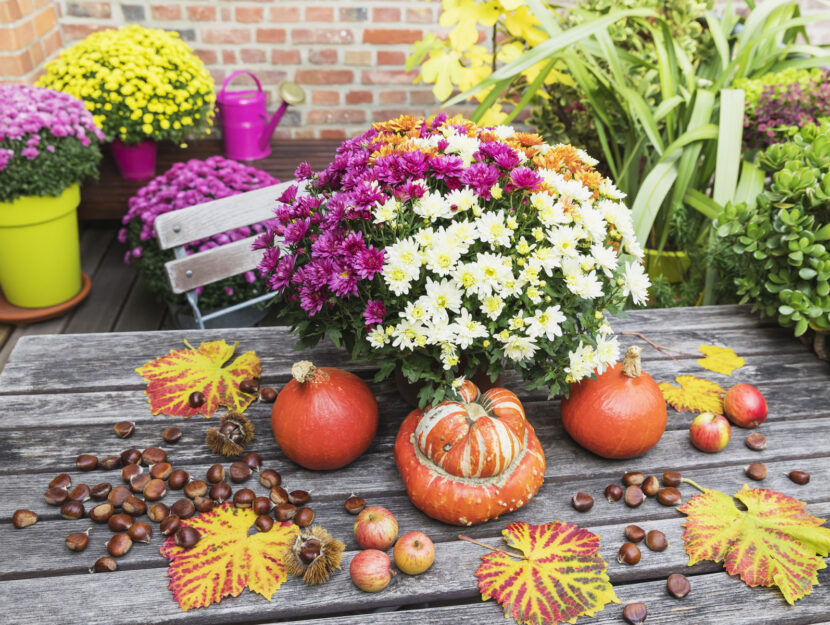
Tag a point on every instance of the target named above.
point(233, 75)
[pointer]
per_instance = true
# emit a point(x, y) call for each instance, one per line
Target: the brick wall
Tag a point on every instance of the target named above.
point(29, 36)
point(349, 55)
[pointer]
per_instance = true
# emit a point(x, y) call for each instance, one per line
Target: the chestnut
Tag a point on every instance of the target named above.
point(183, 508)
point(354, 504)
point(109, 463)
point(140, 532)
point(284, 512)
point(158, 512)
point(124, 429)
point(267, 395)
point(119, 544)
point(629, 554)
point(120, 522)
point(77, 541)
point(118, 495)
point(134, 506)
point(86, 462)
point(304, 517)
point(55, 496)
point(153, 455)
point(171, 435)
point(170, 525)
point(221, 491)
point(24, 518)
point(102, 513)
point(264, 523)
point(196, 488)
point(155, 489)
point(203, 504)
point(613, 492)
point(244, 498)
point(101, 491)
point(80, 493)
point(130, 456)
point(104, 565)
point(253, 460)
point(178, 479)
point(270, 478)
point(239, 472)
point(261, 505)
point(215, 474)
point(161, 471)
point(138, 483)
point(278, 495)
point(187, 537)
point(61, 481)
point(72, 510)
point(129, 471)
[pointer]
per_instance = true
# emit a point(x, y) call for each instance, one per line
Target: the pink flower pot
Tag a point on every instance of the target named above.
point(135, 162)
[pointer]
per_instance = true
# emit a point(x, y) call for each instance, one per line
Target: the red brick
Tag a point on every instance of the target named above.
point(386, 15)
point(99, 10)
point(45, 21)
point(270, 35)
point(353, 14)
point(387, 114)
point(392, 97)
point(358, 57)
point(52, 43)
point(321, 35)
point(209, 57)
point(391, 57)
point(420, 15)
point(319, 14)
point(226, 14)
point(387, 77)
point(9, 11)
point(252, 55)
point(16, 64)
point(325, 97)
point(18, 37)
point(201, 13)
point(324, 56)
point(422, 96)
point(74, 32)
point(280, 14)
point(218, 75)
point(271, 76)
point(226, 35)
point(332, 133)
point(250, 15)
point(324, 76)
point(285, 57)
point(305, 133)
point(228, 57)
point(166, 11)
point(359, 97)
point(336, 116)
point(391, 35)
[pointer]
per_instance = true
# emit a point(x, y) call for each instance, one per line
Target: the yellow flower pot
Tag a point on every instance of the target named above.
point(40, 256)
point(669, 265)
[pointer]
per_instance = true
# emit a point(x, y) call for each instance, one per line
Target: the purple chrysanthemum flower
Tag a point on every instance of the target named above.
point(311, 301)
point(281, 277)
point(368, 263)
point(343, 280)
point(374, 312)
point(303, 172)
point(295, 231)
point(353, 244)
point(480, 177)
point(525, 178)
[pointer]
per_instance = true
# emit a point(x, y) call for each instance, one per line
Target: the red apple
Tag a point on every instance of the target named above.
point(375, 528)
point(744, 406)
point(710, 432)
point(371, 570)
point(414, 553)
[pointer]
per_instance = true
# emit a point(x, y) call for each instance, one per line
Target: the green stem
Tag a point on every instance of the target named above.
point(695, 484)
point(490, 547)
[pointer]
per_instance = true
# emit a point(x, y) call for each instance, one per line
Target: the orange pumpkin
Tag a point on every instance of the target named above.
point(468, 461)
point(621, 414)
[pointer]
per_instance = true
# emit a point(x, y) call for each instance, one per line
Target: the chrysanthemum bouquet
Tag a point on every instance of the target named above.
point(139, 83)
point(187, 184)
point(48, 141)
point(445, 249)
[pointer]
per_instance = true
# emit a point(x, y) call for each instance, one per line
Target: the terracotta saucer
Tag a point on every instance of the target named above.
point(21, 316)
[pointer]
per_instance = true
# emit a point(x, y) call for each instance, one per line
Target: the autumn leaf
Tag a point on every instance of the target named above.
point(694, 395)
point(227, 558)
point(172, 378)
point(773, 542)
point(560, 577)
point(720, 359)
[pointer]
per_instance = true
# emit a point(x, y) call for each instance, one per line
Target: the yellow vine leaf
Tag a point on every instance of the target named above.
point(773, 542)
point(694, 395)
point(172, 378)
point(560, 578)
point(227, 558)
point(720, 359)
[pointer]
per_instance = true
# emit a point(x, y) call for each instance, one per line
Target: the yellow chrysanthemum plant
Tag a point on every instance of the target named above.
point(139, 83)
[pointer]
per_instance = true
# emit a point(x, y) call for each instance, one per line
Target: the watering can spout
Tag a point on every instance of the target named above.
point(290, 93)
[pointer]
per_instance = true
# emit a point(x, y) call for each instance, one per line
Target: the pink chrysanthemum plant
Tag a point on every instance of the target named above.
point(188, 184)
point(48, 142)
point(444, 249)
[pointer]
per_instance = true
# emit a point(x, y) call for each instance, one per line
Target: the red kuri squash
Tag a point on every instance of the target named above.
point(324, 418)
point(471, 460)
point(621, 414)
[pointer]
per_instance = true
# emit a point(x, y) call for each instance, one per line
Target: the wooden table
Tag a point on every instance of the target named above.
point(61, 394)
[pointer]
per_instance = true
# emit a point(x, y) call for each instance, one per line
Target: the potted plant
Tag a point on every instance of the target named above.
point(188, 184)
point(442, 248)
point(49, 144)
point(143, 85)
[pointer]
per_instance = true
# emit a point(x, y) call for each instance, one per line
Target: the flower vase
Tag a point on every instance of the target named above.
point(40, 257)
point(136, 161)
point(409, 390)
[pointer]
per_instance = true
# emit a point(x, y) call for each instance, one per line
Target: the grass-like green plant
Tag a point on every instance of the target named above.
point(664, 154)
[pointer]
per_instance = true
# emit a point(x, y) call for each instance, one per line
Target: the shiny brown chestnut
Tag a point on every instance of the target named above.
point(153, 455)
point(244, 498)
point(267, 395)
point(678, 585)
point(178, 479)
point(196, 488)
point(134, 506)
point(187, 537)
point(634, 496)
point(86, 462)
point(24, 518)
point(278, 495)
point(119, 545)
point(261, 505)
point(80, 493)
point(124, 429)
point(249, 385)
point(669, 496)
point(613, 492)
point(239, 472)
point(104, 565)
point(354, 504)
point(633, 478)
point(161, 471)
point(72, 510)
point(129, 471)
point(130, 456)
point(220, 492)
point(634, 533)
point(582, 502)
point(253, 460)
point(756, 471)
point(264, 523)
point(102, 512)
point(170, 525)
point(196, 399)
point(158, 512)
point(118, 495)
point(140, 532)
point(55, 496)
point(635, 613)
point(120, 522)
point(215, 474)
point(183, 508)
point(101, 491)
point(138, 483)
point(171, 435)
point(299, 497)
point(799, 477)
point(629, 553)
point(77, 541)
point(154, 490)
point(110, 463)
point(672, 478)
point(284, 512)
point(656, 540)
point(270, 478)
point(650, 486)
point(304, 517)
point(203, 504)
point(61, 481)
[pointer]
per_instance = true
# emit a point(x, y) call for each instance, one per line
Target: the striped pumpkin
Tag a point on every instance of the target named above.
point(472, 459)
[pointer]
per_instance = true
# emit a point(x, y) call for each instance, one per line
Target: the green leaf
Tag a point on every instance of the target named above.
point(530, 92)
point(750, 184)
point(653, 191)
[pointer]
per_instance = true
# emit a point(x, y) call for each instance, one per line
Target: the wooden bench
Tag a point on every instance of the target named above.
point(189, 271)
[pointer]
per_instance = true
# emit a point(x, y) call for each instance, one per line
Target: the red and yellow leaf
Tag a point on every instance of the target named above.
point(694, 395)
point(720, 359)
point(560, 578)
point(773, 542)
point(172, 378)
point(227, 559)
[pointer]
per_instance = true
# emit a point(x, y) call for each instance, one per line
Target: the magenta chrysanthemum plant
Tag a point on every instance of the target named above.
point(48, 142)
point(183, 185)
point(443, 248)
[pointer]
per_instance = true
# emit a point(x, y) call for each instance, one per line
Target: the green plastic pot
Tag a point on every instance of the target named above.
point(40, 256)
point(671, 266)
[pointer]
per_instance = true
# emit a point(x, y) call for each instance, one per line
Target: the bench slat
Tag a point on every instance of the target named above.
point(212, 265)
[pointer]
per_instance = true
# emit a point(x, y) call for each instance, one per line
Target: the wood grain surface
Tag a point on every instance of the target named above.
point(61, 394)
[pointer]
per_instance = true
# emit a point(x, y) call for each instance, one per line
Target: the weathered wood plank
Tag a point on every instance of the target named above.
point(211, 265)
point(141, 594)
point(141, 312)
point(36, 367)
point(39, 554)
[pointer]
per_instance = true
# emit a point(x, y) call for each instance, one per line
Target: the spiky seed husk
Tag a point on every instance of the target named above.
point(319, 571)
point(221, 444)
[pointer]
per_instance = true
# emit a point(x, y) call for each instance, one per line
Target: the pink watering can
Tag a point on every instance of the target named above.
point(246, 126)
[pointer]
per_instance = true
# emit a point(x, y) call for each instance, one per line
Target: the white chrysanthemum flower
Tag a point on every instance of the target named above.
point(463, 199)
point(377, 337)
point(607, 352)
point(571, 189)
point(387, 211)
point(491, 272)
point(546, 323)
point(449, 356)
point(405, 253)
point(443, 254)
point(608, 189)
point(581, 363)
point(405, 335)
point(415, 312)
point(614, 212)
point(593, 222)
point(534, 294)
point(464, 233)
point(492, 306)
point(565, 240)
point(503, 132)
point(633, 247)
point(553, 214)
point(466, 329)
point(636, 283)
point(432, 206)
point(466, 274)
point(461, 144)
point(586, 158)
point(605, 258)
point(444, 295)
point(397, 278)
point(492, 229)
point(518, 347)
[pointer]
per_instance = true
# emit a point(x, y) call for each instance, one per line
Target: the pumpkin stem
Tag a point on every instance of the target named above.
point(631, 367)
point(695, 484)
point(303, 371)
